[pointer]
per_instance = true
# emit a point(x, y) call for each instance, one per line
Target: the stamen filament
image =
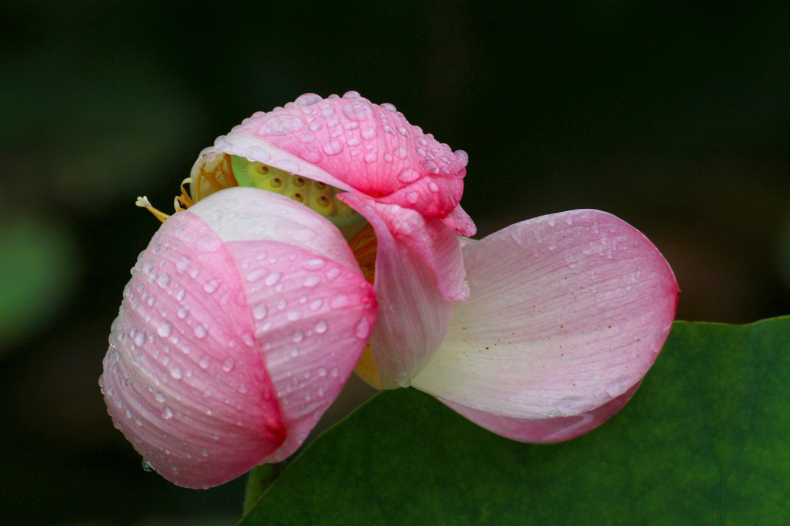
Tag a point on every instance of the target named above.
point(143, 202)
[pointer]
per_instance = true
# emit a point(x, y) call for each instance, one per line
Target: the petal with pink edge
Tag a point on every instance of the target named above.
point(566, 313)
point(313, 311)
point(194, 374)
point(181, 381)
point(546, 430)
point(354, 145)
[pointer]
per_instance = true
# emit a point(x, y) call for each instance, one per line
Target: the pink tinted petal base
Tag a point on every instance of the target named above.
point(566, 313)
point(183, 378)
point(546, 430)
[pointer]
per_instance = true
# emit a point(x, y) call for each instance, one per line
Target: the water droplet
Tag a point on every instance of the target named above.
point(308, 99)
point(358, 110)
point(181, 294)
point(313, 264)
point(282, 303)
point(412, 197)
point(139, 338)
point(400, 152)
point(242, 388)
point(294, 353)
point(333, 147)
point(176, 373)
point(362, 330)
point(160, 397)
point(311, 281)
point(256, 275)
point(259, 311)
point(334, 372)
point(321, 371)
point(341, 300)
point(204, 362)
point(408, 175)
point(204, 452)
point(194, 273)
point(200, 331)
point(298, 336)
point(227, 365)
point(332, 273)
point(321, 327)
point(316, 304)
point(388, 107)
point(294, 315)
point(147, 466)
point(212, 285)
point(183, 312)
point(164, 329)
point(248, 339)
point(273, 278)
point(282, 124)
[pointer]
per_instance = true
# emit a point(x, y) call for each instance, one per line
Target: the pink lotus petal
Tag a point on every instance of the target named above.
point(567, 312)
point(181, 380)
point(355, 145)
point(546, 430)
point(199, 375)
point(313, 318)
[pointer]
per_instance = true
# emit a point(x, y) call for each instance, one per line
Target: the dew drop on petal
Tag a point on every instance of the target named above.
point(311, 281)
point(212, 285)
point(167, 413)
point(200, 331)
point(227, 365)
point(408, 175)
point(204, 362)
point(273, 278)
point(321, 326)
point(313, 264)
point(333, 147)
point(160, 397)
point(308, 99)
point(362, 330)
point(341, 300)
point(164, 329)
point(176, 373)
point(259, 311)
point(256, 275)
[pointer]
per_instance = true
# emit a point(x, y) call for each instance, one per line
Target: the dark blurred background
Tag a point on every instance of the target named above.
point(673, 116)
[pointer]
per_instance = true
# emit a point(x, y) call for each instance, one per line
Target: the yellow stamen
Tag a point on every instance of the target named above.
point(143, 202)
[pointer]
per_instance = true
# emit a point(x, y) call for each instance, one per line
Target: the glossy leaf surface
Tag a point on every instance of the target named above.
point(703, 441)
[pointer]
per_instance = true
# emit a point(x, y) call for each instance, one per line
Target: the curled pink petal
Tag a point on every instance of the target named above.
point(546, 430)
point(566, 313)
point(355, 145)
point(413, 313)
point(198, 371)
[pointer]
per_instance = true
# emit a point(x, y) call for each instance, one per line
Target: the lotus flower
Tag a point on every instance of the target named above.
point(341, 248)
